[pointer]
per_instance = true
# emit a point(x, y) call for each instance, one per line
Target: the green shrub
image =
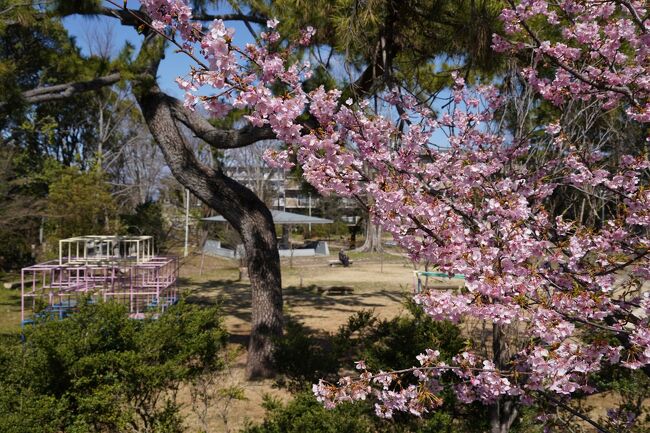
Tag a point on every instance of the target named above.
point(303, 358)
point(304, 414)
point(99, 371)
point(392, 344)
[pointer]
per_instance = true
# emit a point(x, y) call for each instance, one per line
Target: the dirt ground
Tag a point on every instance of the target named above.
point(319, 296)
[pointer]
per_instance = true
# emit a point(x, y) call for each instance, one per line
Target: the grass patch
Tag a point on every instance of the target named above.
point(9, 310)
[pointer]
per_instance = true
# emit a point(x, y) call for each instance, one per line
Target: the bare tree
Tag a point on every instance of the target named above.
point(137, 168)
point(100, 39)
point(247, 165)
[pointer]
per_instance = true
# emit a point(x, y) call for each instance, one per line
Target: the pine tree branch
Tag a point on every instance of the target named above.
point(135, 17)
point(63, 91)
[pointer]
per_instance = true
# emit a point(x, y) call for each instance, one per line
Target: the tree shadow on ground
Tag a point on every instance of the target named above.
point(307, 302)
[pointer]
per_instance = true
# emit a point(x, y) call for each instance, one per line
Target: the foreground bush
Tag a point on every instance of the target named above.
point(303, 358)
point(99, 371)
point(305, 414)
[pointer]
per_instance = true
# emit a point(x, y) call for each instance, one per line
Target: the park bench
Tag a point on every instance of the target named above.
point(336, 290)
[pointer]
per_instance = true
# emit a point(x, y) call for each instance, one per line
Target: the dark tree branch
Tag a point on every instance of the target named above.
point(246, 20)
point(62, 91)
point(373, 76)
point(218, 138)
point(128, 17)
point(368, 79)
point(635, 16)
point(257, 19)
point(135, 17)
point(574, 412)
point(641, 254)
point(427, 230)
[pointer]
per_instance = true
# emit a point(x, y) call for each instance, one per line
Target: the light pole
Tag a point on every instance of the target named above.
point(187, 221)
point(310, 214)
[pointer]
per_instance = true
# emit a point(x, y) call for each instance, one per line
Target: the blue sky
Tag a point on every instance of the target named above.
point(175, 64)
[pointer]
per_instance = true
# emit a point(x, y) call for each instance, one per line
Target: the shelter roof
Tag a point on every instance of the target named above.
point(281, 217)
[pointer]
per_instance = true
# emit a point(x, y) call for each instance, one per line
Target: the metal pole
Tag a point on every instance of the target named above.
point(310, 214)
point(22, 296)
point(284, 192)
point(187, 221)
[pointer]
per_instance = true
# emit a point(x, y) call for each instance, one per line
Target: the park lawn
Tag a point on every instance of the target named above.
point(9, 307)
point(321, 297)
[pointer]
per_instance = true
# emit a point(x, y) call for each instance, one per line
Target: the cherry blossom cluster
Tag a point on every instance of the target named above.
point(471, 205)
point(237, 86)
point(175, 15)
point(472, 381)
point(414, 399)
point(604, 50)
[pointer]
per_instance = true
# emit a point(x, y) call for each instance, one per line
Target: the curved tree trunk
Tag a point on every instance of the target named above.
point(238, 205)
point(241, 208)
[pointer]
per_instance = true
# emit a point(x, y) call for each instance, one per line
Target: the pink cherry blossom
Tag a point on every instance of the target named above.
point(472, 206)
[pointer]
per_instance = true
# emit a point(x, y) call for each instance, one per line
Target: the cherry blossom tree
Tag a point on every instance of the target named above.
point(564, 299)
point(472, 205)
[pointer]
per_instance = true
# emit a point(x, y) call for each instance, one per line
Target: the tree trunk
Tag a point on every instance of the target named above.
point(372, 244)
point(242, 209)
point(503, 412)
point(266, 289)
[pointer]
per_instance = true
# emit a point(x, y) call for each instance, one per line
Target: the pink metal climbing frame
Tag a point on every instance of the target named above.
point(146, 283)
